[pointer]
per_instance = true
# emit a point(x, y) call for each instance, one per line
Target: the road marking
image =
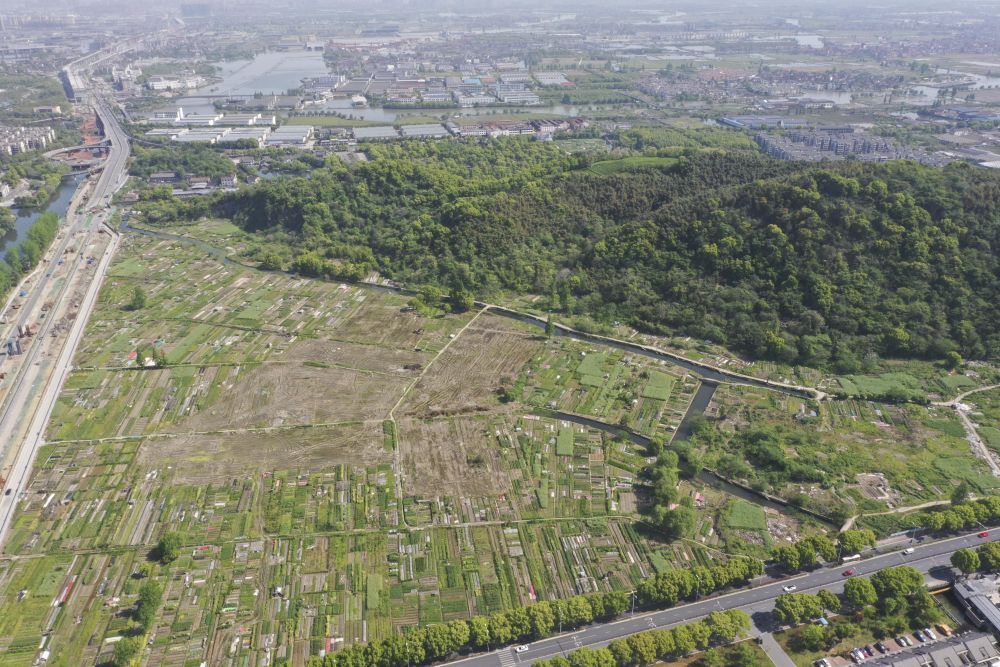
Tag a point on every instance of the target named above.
point(507, 657)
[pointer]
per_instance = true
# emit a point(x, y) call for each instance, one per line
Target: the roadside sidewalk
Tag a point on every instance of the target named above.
point(774, 651)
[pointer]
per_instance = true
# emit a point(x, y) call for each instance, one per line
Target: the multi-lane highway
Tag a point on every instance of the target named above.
point(758, 601)
point(43, 368)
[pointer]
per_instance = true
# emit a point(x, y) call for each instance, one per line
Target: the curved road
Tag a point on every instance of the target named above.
point(758, 601)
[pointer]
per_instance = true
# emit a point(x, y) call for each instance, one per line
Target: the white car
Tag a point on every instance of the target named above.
point(908, 550)
point(789, 588)
point(521, 649)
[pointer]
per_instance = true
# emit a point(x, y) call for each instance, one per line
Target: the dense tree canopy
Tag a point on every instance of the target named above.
point(186, 159)
point(821, 265)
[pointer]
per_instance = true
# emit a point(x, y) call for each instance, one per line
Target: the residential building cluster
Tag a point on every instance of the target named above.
point(14, 140)
point(840, 143)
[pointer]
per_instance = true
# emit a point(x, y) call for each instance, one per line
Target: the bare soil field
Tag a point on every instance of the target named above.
point(395, 362)
point(456, 457)
point(202, 459)
point(384, 320)
point(466, 377)
point(299, 393)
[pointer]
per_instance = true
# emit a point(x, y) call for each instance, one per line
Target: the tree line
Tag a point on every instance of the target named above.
point(23, 257)
point(651, 646)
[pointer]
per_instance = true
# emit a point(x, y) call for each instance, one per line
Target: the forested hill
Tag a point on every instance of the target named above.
point(815, 264)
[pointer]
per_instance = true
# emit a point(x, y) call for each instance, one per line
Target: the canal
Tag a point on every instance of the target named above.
point(58, 204)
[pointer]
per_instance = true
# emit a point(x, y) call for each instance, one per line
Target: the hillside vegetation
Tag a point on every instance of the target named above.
point(816, 264)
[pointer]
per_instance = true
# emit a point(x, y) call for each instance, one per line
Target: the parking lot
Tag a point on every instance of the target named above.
point(974, 648)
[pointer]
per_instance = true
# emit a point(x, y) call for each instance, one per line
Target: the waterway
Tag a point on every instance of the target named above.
point(271, 73)
point(964, 80)
point(700, 401)
point(58, 204)
point(700, 370)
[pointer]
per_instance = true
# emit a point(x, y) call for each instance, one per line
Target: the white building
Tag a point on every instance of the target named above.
point(289, 135)
point(174, 83)
point(199, 120)
point(520, 98)
point(479, 100)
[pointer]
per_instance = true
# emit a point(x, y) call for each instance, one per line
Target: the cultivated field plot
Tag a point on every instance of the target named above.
point(920, 451)
point(98, 496)
point(611, 385)
point(368, 586)
point(559, 469)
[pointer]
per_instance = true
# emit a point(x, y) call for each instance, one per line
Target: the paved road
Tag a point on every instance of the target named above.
point(34, 392)
point(929, 557)
point(774, 651)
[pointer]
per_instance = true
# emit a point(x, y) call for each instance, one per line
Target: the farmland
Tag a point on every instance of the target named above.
point(330, 443)
point(340, 465)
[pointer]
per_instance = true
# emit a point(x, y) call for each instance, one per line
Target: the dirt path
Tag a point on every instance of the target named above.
point(898, 510)
point(958, 399)
point(979, 448)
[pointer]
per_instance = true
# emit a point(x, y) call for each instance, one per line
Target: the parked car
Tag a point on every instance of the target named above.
point(882, 648)
point(930, 633)
point(869, 651)
point(902, 641)
point(919, 635)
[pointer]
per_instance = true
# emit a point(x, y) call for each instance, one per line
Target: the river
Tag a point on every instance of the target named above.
point(964, 80)
point(26, 217)
point(274, 72)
